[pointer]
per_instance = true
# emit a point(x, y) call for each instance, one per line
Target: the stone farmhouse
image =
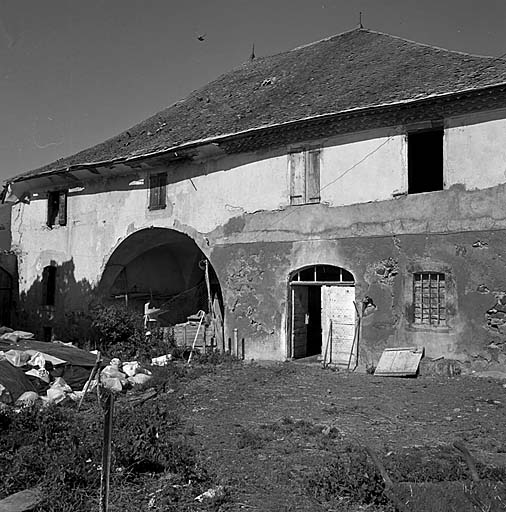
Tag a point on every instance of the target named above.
point(354, 184)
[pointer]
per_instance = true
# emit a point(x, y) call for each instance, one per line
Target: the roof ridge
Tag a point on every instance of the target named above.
point(427, 45)
point(328, 38)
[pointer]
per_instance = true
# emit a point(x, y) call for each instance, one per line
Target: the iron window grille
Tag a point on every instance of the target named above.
point(429, 298)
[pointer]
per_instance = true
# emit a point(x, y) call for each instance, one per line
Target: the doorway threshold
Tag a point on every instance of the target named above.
point(316, 359)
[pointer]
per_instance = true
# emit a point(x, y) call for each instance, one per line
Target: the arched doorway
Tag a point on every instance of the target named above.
point(165, 268)
point(323, 313)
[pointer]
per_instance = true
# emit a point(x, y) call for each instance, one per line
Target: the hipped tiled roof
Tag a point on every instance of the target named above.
point(353, 70)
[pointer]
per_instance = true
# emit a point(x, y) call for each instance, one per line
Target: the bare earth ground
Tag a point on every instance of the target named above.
point(241, 416)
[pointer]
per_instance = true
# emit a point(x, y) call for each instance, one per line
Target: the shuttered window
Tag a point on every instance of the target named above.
point(304, 176)
point(429, 293)
point(157, 191)
point(57, 208)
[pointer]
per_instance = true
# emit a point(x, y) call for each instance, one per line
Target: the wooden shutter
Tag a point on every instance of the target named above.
point(157, 191)
point(313, 176)
point(62, 208)
point(154, 191)
point(297, 177)
point(162, 183)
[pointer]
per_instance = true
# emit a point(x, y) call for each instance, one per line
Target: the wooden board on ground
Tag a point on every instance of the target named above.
point(399, 362)
point(21, 501)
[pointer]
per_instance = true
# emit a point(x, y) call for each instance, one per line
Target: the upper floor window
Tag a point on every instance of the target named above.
point(57, 208)
point(425, 161)
point(157, 191)
point(304, 176)
point(429, 298)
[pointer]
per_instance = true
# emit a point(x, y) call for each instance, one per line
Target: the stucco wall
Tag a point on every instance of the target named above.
point(236, 208)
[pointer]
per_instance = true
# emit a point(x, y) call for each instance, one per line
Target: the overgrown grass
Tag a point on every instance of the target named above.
point(59, 449)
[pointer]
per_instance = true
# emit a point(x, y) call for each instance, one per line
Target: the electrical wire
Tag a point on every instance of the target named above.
point(344, 173)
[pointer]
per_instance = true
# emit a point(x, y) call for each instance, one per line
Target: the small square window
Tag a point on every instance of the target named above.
point(429, 298)
point(57, 208)
point(425, 161)
point(304, 176)
point(157, 191)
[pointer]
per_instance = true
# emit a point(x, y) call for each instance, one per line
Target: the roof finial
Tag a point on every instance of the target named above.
point(252, 56)
point(360, 20)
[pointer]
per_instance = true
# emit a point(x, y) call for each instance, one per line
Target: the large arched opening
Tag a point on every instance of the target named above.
point(323, 314)
point(165, 268)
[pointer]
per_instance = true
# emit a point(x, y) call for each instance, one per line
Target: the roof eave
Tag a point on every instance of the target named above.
point(216, 140)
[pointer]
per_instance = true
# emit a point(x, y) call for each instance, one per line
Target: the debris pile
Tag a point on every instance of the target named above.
point(117, 376)
point(32, 370)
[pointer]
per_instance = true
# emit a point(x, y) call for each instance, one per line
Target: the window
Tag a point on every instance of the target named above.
point(425, 161)
point(157, 188)
point(49, 286)
point(304, 176)
point(47, 334)
point(429, 298)
point(57, 208)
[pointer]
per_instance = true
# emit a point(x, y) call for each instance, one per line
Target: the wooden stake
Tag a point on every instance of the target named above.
point(92, 375)
point(106, 453)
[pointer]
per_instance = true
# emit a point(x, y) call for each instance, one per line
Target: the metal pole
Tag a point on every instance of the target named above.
point(236, 343)
point(106, 453)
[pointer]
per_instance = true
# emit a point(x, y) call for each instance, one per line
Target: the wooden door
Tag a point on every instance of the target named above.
point(300, 315)
point(338, 307)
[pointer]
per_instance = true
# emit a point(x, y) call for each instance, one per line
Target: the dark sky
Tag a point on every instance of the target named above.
point(75, 72)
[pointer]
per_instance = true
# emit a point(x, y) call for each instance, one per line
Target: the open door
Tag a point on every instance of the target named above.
point(338, 307)
point(300, 320)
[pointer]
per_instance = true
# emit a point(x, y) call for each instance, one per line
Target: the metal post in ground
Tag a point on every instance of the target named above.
point(106, 453)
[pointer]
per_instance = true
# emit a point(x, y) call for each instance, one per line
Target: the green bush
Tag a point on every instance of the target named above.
point(119, 332)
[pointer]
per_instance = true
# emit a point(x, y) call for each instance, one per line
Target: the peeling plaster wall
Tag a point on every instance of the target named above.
point(237, 210)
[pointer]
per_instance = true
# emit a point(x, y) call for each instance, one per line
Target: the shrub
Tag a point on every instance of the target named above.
point(119, 332)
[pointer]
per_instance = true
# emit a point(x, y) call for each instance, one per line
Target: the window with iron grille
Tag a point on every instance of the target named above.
point(429, 298)
point(157, 191)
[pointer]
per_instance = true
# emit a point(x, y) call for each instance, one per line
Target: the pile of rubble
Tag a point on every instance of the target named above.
point(32, 371)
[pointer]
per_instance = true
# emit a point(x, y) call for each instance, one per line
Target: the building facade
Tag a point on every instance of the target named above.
point(376, 192)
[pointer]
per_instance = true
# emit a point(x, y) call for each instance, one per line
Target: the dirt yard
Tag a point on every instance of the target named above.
point(267, 428)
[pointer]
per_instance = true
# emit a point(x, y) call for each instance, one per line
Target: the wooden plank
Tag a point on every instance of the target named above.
point(399, 362)
point(22, 501)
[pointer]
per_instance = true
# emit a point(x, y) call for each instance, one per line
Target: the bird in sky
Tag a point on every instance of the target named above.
point(201, 37)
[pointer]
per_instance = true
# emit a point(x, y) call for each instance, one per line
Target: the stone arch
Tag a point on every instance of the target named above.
point(164, 267)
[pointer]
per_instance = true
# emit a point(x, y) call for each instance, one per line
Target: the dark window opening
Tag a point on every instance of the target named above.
point(47, 334)
point(304, 176)
point(57, 208)
point(49, 286)
point(157, 191)
point(429, 298)
point(425, 161)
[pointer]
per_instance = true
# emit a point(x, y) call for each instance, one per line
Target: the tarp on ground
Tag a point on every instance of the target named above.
point(14, 380)
point(72, 355)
